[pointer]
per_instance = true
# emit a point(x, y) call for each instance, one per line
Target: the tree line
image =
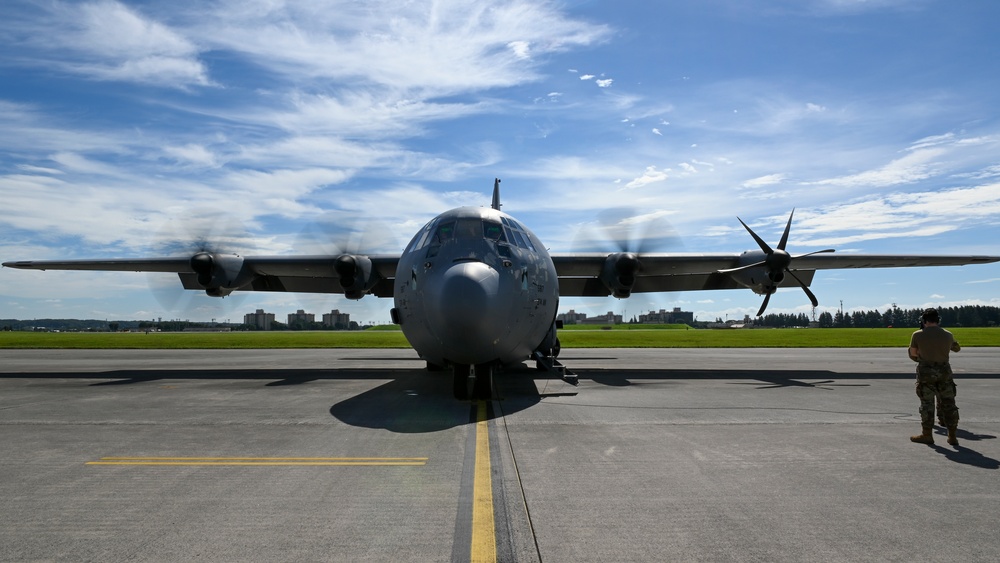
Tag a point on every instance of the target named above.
point(965, 315)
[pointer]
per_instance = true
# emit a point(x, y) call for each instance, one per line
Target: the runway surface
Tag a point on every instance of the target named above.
point(361, 455)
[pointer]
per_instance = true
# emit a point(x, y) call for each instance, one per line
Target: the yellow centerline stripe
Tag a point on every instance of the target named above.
point(263, 461)
point(484, 543)
point(157, 458)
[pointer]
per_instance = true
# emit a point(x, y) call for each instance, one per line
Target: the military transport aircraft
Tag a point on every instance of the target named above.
point(475, 289)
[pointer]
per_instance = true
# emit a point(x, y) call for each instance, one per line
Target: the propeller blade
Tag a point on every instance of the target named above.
point(340, 232)
point(777, 262)
point(813, 252)
point(767, 297)
point(809, 294)
point(760, 242)
point(627, 229)
point(741, 268)
point(200, 233)
point(788, 227)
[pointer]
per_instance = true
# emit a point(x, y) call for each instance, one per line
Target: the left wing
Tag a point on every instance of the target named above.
point(218, 274)
point(623, 273)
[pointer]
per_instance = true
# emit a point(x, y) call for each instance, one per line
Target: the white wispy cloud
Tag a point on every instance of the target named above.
point(900, 215)
point(434, 48)
point(916, 166)
point(193, 154)
point(650, 176)
point(768, 180)
point(107, 40)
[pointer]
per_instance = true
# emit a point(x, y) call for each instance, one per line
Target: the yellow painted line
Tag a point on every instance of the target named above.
point(263, 461)
point(484, 542)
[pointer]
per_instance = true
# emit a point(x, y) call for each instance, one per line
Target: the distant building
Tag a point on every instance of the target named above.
point(336, 319)
point(608, 318)
point(667, 317)
point(260, 319)
point(301, 316)
point(572, 317)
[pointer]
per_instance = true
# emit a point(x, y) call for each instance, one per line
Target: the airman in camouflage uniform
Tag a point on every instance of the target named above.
point(929, 347)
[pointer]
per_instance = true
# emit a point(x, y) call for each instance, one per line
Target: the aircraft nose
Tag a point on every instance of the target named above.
point(468, 312)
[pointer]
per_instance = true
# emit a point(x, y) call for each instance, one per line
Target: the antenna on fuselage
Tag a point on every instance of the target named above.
point(496, 194)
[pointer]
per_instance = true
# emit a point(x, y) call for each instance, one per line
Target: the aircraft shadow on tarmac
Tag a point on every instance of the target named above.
point(414, 400)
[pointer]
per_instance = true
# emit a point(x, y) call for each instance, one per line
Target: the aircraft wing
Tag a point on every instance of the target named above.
point(583, 274)
point(309, 274)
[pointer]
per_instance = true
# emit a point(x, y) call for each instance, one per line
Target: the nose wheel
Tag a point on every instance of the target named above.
point(473, 381)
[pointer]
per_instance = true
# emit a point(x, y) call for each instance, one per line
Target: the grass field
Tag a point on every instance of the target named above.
point(617, 337)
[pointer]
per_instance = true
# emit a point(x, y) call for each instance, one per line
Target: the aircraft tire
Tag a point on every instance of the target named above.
point(460, 384)
point(483, 386)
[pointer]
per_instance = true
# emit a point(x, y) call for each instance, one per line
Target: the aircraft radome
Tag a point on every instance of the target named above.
point(475, 289)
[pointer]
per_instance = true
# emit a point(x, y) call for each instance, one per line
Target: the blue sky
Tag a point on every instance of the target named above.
point(137, 128)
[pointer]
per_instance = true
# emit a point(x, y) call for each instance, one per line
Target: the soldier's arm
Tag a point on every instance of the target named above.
point(954, 346)
point(914, 353)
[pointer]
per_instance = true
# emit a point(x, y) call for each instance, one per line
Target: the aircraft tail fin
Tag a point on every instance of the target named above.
point(496, 194)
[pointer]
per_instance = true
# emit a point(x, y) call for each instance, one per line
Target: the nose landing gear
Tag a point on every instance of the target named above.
point(473, 381)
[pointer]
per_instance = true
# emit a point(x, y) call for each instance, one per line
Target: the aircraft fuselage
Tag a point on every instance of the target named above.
point(475, 287)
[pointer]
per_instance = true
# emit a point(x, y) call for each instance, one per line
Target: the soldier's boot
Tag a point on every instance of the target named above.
point(952, 439)
point(926, 438)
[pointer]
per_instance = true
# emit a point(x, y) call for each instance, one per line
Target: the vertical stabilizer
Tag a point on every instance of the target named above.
point(496, 194)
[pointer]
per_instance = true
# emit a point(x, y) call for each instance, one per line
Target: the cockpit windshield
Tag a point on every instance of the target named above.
point(493, 231)
point(445, 231)
point(476, 228)
point(469, 228)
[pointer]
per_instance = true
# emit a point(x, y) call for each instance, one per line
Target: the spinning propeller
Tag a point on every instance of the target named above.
point(212, 239)
point(776, 264)
point(349, 242)
point(626, 234)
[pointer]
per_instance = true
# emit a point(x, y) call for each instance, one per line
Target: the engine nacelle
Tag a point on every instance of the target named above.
point(619, 273)
point(218, 292)
point(356, 273)
point(757, 280)
point(219, 274)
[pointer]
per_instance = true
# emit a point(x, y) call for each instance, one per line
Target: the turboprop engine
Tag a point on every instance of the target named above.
point(220, 274)
point(619, 273)
point(357, 276)
point(763, 270)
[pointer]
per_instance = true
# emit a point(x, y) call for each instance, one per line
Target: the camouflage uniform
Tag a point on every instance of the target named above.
point(934, 380)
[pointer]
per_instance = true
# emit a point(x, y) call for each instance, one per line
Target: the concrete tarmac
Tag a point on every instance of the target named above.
point(362, 455)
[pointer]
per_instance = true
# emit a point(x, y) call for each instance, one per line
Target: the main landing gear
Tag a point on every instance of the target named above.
point(546, 353)
point(473, 381)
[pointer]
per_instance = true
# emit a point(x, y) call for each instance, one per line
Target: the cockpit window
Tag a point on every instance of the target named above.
point(493, 231)
point(469, 229)
point(518, 240)
point(421, 239)
point(445, 231)
point(527, 241)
